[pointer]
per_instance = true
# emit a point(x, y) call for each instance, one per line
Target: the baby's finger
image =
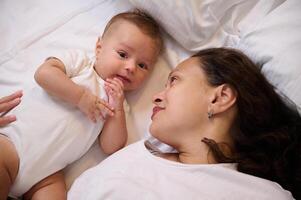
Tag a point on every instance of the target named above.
point(115, 87)
point(91, 116)
point(103, 104)
point(108, 90)
point(120, 83)
point(105, 111)
point(98, 114)
point(117, 82)
point(93, 119)
point(102, 117)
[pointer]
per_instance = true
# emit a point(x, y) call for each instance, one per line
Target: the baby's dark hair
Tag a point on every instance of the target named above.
point(143, 21)
point(267, 140)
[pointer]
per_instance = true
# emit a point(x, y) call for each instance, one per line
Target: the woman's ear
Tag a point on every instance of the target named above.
point(225, 97)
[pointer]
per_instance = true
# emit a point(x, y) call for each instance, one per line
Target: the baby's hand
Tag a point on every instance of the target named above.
point(114, 89)
point(94, 107)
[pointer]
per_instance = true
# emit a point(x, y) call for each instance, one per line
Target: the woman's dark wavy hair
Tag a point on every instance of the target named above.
point(267, 143)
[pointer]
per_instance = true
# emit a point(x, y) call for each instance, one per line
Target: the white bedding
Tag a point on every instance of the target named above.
point(266, 30)
point(32, 30)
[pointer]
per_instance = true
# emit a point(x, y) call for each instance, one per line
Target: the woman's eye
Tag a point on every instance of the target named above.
point(173, 79)
point(122, 54)
point(143, 66)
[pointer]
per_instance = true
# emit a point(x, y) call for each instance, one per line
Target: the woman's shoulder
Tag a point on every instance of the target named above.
point(256, 186)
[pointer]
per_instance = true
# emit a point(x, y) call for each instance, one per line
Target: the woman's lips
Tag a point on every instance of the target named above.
point(156, 109)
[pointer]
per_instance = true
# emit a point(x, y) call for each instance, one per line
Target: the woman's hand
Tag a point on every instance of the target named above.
point(94, 107)
point(114, 89)
point(7, 103)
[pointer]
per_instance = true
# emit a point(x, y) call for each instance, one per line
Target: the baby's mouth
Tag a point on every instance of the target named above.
point(123, 79)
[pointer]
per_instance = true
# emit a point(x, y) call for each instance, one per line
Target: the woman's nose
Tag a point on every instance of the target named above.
point(158, 98)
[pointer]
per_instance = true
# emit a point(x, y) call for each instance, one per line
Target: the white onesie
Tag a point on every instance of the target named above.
point(50, 133)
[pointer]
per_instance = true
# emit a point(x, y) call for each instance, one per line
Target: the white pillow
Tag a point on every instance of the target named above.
point(199, 24)
point(276, 45)
point(266, 30)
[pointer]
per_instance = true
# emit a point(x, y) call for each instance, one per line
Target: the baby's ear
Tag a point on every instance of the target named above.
point(98, 44)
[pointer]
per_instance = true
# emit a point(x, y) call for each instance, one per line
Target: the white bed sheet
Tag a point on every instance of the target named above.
point(32, 30)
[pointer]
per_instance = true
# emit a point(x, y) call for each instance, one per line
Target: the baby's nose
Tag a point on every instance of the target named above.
point(130, 66)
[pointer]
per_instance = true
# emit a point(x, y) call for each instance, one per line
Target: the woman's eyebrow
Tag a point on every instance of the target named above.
point(169, 75)
point(172, 72)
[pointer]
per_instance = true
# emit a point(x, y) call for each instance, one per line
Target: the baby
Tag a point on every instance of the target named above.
point(79, 98)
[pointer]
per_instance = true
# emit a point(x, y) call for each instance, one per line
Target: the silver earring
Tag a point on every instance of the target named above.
point(210, 114)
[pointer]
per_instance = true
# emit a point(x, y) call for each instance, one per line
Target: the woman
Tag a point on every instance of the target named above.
point(223, 118)
point(7, 103)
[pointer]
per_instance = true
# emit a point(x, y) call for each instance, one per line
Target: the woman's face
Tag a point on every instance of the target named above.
point(180, 110)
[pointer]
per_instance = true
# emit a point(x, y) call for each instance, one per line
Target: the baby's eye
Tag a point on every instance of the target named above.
point(143, 66)
point(122, 54)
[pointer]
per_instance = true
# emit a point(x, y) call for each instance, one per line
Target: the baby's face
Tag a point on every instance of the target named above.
point(126, 53)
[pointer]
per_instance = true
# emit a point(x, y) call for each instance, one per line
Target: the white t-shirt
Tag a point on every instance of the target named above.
point(50, 133)
point(135, 173)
